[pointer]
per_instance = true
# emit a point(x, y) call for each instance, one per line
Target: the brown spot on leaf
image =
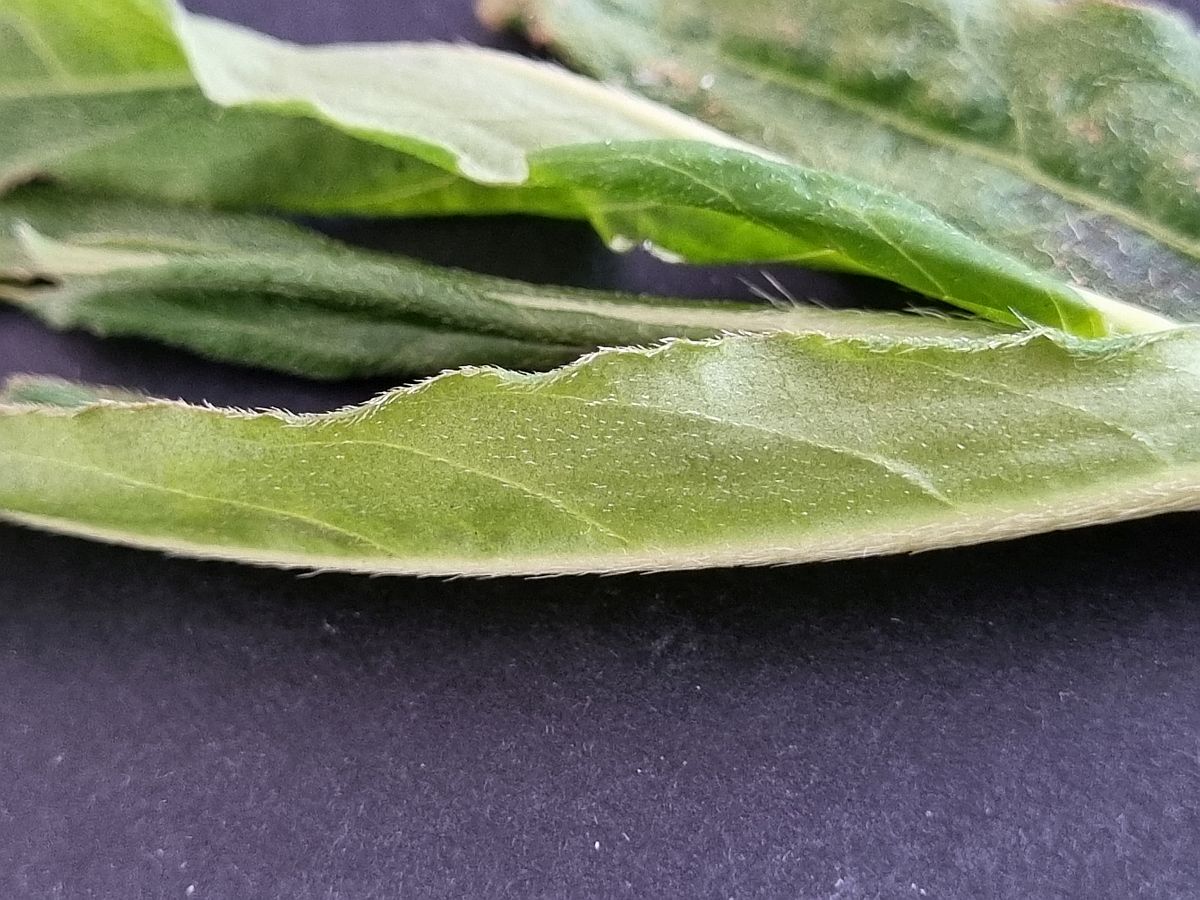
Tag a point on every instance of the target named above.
point(1087, 129)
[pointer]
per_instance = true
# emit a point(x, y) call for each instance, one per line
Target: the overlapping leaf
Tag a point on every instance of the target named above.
point(1063, 133)
point(452, 129)
point(253, 290)
point(854, 435)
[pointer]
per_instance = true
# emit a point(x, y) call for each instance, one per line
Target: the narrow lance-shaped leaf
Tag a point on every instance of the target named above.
point(1066, 134)
point(253, 290)
point(757, 449)
point(426, 129)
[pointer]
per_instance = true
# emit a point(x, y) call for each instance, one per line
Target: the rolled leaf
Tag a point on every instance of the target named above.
point(253, 290)
point(743, 450)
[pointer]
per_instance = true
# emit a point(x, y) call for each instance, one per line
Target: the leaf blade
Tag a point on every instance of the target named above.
point(251, 290)
point(736, 451)
point(315, 147)
point(934, 100)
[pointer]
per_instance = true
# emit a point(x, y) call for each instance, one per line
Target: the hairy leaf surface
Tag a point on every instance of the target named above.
point(436, 129)
point(755, 449)
point(1067, 134)
point(254, 290)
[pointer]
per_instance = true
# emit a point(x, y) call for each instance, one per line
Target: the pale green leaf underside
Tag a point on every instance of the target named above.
point(257, 291)
point(1066, 134)
point(319, 135)
point(412, 97)
point(745, 450)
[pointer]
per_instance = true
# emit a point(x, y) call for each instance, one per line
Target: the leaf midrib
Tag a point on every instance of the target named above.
point(893, 467)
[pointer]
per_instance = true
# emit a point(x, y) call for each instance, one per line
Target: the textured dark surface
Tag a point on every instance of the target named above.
point(1019, 720)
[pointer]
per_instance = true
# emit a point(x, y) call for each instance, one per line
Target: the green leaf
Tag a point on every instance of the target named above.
point(384, 128)
point(1065, 134)
point(742, 450)
point(254, 290)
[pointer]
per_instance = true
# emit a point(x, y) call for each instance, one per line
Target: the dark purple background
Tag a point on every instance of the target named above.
point(1018, 720)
